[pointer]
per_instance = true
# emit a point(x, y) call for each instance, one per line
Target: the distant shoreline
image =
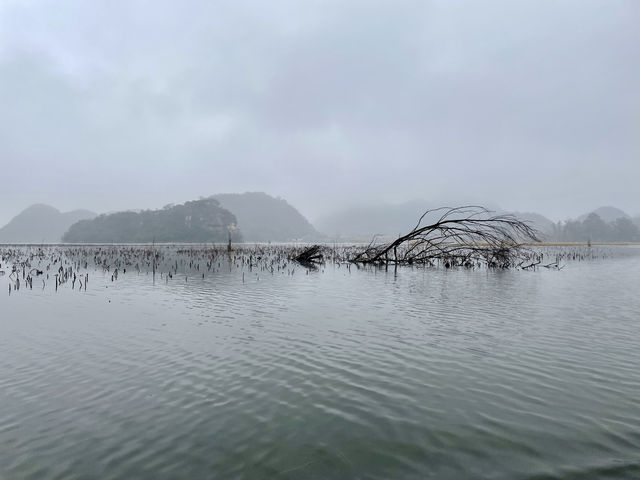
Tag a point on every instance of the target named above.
point(293, 244)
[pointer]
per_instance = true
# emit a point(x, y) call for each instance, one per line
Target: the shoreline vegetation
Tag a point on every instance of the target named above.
point(463, 237)
point(74, 266)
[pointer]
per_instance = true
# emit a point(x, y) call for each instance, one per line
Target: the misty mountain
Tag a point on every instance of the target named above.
point(41, 224)
point(198, 221)
point(390, 220)
point(363, 222)
point(608, 214)
point(541, 223)
point(263, 218)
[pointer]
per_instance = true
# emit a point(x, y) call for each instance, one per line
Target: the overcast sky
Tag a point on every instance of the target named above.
point(529, 105)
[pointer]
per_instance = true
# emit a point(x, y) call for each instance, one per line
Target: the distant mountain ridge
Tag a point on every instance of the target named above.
point(41, 223)
point(264, 218)
point(261, 217)
point(363, 222)
point(198, 221)
point(604, 224)
point(541, 223)
point(390, 220)
point(608, 214)
point(252, 216)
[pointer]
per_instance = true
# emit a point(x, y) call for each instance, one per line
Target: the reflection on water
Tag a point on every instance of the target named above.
point(336, 373)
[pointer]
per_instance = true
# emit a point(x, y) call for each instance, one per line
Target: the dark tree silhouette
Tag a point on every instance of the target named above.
point(462, 236)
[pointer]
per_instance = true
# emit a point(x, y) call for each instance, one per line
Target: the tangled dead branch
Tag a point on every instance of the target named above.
point(462, 236)
point(310, 257)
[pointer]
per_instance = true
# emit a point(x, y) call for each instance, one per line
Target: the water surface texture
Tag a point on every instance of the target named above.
point(335, 373)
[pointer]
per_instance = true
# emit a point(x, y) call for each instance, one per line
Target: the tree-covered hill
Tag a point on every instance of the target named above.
point(594, 228)
point(198, 221)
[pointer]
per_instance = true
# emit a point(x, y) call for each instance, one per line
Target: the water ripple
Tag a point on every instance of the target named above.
point(336, 374)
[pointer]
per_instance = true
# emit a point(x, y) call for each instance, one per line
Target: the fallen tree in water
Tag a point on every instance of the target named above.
point(310, 256)
point(462, 236)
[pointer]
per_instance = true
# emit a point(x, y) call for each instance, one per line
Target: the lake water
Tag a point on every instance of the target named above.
point(336, 373)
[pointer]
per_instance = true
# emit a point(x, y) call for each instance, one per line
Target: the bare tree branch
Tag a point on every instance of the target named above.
point(462, 236)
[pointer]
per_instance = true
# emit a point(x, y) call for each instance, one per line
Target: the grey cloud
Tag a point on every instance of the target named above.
point(110, 105)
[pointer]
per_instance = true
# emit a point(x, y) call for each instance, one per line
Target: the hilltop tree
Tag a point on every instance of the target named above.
point(198, 221)
point(596, 229)
point(624, 230)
